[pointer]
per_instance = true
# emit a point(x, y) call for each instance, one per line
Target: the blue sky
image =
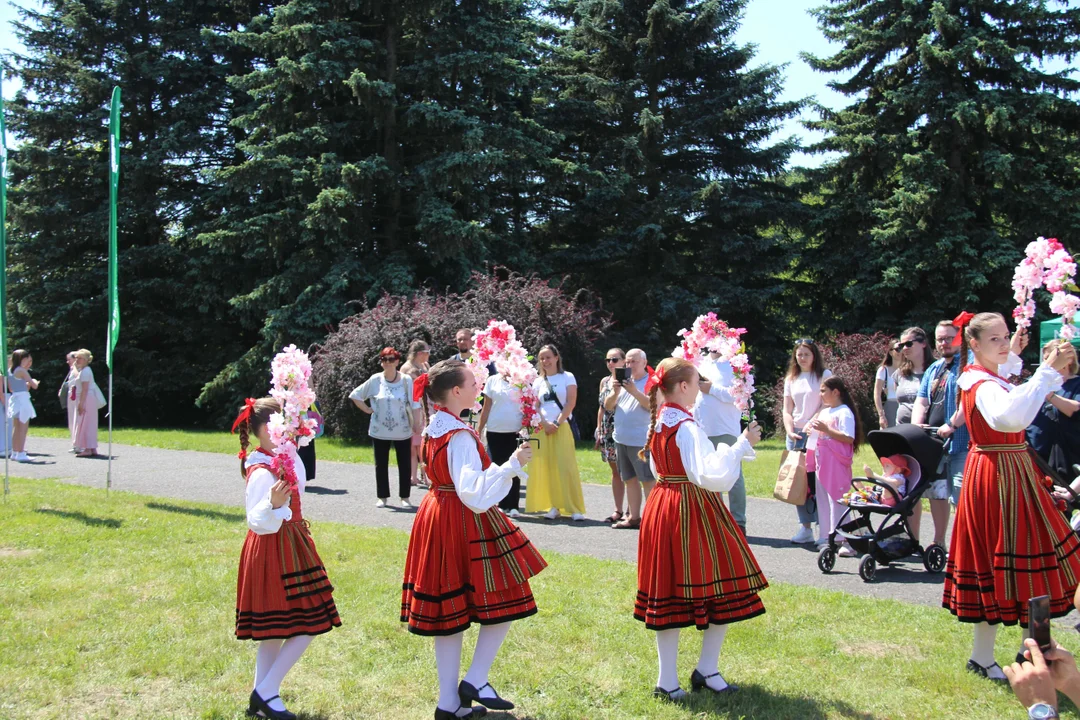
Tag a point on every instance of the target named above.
point(780, 29)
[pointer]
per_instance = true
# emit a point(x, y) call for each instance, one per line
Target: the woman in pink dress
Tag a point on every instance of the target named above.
point(84, 397)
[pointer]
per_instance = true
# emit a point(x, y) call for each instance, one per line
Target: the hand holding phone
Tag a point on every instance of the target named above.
point(1039, 622)
point(620, 375)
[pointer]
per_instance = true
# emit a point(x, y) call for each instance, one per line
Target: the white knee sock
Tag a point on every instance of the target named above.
point(667, 652)
point(290, 652)
point(982, 650)
point(448, 664)
point(265, 657)
point(711, 642)
point(487, 647)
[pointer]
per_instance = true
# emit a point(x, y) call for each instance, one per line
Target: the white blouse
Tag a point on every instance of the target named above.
point(478, 489)
point(714, 468)
point(1011, 409)
point(262, 517)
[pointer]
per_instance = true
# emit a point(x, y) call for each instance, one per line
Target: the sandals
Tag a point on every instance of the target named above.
point(627, 524)
point(614, 517)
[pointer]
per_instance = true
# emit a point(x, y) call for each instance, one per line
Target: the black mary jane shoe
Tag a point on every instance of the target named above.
point(257, 705)
point(670, 695)
point(701, 682)
point(470, 694)
point(981, 671)
point(475, 712)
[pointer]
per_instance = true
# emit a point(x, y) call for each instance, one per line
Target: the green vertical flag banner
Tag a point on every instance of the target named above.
point(114, 183)
point(3, 234)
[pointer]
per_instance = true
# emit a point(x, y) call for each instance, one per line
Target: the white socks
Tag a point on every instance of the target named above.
point(287, 655)
point(712, 641)
point(265, 657)
point(488, 643)
point(982, 650)
point(667, 652)
point(448, 665)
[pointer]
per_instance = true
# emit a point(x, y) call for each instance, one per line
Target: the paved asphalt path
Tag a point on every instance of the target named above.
point(345, 492)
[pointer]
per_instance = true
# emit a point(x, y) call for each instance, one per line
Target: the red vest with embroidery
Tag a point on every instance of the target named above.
point(665, 451)
point(294, 497)
point(436, 461)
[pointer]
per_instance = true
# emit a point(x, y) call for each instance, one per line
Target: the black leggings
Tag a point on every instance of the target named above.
point(307, 456)
point(403, 450)
point(502, 446)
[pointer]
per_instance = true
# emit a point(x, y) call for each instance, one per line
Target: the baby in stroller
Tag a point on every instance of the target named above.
point(895, 472)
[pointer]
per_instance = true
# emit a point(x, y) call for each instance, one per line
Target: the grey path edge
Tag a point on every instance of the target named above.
point(345, 493)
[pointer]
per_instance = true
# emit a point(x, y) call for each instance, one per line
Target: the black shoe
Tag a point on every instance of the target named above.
point(670, 695)
point(700, 682)
point(475, 712)
point(470, 694)
point(981, 671)
point(257, 705)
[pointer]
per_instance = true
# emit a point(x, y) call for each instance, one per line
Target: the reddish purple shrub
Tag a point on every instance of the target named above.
point(540, 312)
point(852, 357)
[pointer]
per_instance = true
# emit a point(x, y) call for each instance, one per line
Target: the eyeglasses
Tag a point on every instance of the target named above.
point(905, 345)
point(611, 360)
point(944, 340)
point(388, 360)
point(804, 341)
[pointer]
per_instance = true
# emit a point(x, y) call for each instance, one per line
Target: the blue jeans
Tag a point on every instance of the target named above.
point(737, 494)
point(808, 510)
point(953, 472)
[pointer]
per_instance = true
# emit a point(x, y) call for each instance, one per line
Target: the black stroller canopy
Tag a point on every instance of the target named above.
point(909, 440)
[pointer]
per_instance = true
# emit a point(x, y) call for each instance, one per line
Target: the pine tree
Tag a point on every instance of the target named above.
point(390, 144)
point(670, 203)
point(958, 148)
point(168, 58)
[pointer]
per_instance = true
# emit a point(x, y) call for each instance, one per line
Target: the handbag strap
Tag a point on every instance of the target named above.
point(554, 395)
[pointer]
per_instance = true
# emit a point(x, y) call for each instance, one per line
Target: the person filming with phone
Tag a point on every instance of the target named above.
point(631, 407)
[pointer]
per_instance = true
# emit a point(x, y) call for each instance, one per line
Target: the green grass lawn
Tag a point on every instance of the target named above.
point(760, 474)
point(121, 607)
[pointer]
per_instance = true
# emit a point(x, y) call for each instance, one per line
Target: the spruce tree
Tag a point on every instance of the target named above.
point(670, 203)
point(167, 56)
point(958, 147)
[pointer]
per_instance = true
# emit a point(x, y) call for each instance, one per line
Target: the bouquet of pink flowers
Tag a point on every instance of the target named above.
point(1046, 264)
point(291, 372)
point(498, 344)
point(711, 334)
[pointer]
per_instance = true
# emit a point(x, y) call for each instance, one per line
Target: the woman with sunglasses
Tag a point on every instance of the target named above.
point(802, 401)
point(915, 356)
point(605, 431)
point(387, 397)
point(885, 385)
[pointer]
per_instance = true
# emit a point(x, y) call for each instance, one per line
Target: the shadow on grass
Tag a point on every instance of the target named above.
point(316, 490)
point(81, 517)
point(197, 512)
point(754, 701)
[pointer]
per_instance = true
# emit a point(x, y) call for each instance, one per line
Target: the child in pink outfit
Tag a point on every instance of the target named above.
point(895, 474)
point(838, 434)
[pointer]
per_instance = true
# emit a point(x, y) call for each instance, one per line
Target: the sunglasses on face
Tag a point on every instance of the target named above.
point(611, 360)
point(388, 360)
point(909, 343)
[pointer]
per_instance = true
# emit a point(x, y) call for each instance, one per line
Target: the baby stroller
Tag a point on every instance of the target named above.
point(891, 540)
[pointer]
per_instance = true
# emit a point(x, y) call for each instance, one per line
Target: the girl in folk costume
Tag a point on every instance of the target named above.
point(283, 596)
point(694, 565)
point(1009, 542)
point(467, 562)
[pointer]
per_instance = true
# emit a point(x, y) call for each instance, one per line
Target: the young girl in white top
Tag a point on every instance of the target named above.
point(20, 410)
point(801, 403)
point(837, 432)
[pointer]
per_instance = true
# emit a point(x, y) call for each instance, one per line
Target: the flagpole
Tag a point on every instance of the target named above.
point(113, 330)
point(3, 290)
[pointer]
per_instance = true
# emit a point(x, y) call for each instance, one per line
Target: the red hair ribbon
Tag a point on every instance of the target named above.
point(245, 414)
point(242, 454)
point(960, 322)
point(419, 386)
point(656, 378)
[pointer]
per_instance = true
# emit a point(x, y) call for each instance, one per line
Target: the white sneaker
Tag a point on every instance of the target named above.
point(21, 457)
point(552, 514)
point(847, 551)
point(577, 517)
point(405, 503)
point(381, 503)
point(805, 536)
point(512, 513)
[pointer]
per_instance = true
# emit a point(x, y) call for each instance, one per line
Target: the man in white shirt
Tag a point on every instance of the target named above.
point(631, 407)
point(716, 414)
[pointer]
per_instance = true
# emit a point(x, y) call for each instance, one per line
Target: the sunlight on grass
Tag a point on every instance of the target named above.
point(121, 607)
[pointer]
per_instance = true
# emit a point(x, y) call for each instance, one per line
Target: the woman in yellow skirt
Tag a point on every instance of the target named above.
point(554, 486)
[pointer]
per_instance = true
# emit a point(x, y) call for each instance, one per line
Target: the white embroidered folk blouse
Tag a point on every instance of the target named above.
point(1011, 409)
point(262, 517)
point(478, 489)
point(714, 468)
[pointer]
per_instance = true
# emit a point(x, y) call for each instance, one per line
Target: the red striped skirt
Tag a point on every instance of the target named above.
point(1009, 542)
point(694, 565)
point(463, 567)
point(282, 590)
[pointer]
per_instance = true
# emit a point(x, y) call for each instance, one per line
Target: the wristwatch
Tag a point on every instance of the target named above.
point(1042, 711)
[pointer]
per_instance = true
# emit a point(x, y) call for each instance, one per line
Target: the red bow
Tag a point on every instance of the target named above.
point(419, 386)
point(656, 378)
point(245, 414)
point(960, 322)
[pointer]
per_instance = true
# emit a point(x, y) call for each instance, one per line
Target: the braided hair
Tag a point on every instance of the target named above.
point(260, 415)
point(676, 370)
point(443, 377)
